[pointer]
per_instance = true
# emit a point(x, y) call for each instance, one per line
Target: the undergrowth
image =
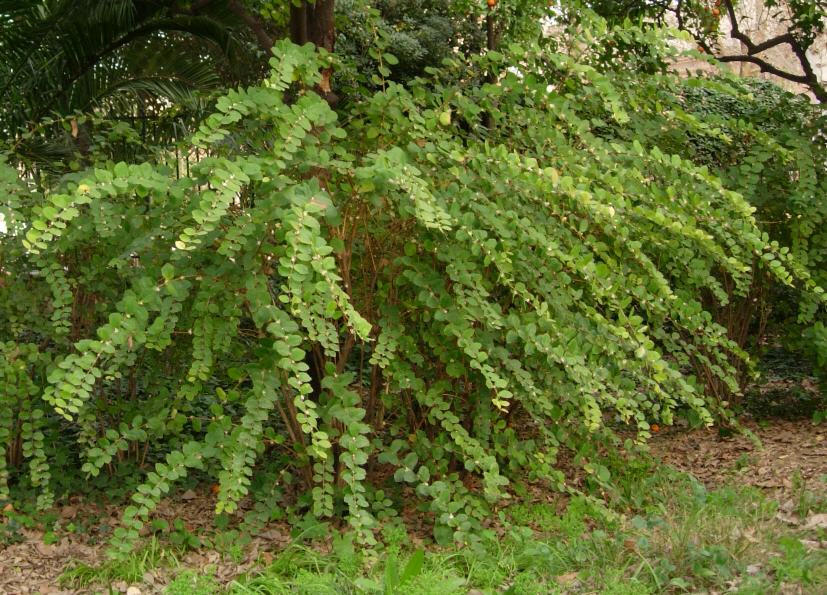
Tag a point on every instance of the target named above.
point(153, 554)
point(674, 536)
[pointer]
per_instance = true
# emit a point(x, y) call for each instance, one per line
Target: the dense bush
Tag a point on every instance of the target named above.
point(399, 297)
point(771, 150)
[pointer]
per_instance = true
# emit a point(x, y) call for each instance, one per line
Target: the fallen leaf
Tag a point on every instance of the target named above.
point(189, 495)
point(817, 521)
point(565, 579)
point(786, 518)
point(272, 534)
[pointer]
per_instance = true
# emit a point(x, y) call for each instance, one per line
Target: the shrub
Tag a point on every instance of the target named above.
point(402, 297)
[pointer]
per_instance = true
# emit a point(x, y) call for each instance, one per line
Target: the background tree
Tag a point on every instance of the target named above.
point(802, 23)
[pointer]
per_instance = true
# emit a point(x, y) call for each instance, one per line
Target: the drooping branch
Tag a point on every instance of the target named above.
point(753, 48)
point(765, 67)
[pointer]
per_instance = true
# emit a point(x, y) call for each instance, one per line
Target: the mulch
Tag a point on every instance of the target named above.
point(785, 454)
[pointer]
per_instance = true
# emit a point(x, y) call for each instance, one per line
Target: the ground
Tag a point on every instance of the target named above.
point(790, 452)
point(754, 522)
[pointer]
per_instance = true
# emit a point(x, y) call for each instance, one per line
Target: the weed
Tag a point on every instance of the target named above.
point(297, 566)
point(799, 565)
point(744, 461)
point(806, 500)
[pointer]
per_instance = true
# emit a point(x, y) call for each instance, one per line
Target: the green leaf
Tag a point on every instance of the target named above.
point(413, 567)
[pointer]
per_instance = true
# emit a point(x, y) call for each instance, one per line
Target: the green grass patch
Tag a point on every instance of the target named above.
point(192, 583)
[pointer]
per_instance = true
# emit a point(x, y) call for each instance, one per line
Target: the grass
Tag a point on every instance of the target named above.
point(684, 538)
point(192, 583)
point(130, 570)
point(661, 532)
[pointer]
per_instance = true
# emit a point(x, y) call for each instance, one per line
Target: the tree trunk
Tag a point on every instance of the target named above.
point(314, 23)
point(298, 23)
point(321, 27)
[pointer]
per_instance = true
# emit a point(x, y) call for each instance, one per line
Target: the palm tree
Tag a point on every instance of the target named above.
point(147, 62)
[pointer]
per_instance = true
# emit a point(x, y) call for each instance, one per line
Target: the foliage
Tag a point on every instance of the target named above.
point(401, 40)
point(404, 299)
point(764, 143)
point(22, 418)
point(421, 33)
point(774, 156)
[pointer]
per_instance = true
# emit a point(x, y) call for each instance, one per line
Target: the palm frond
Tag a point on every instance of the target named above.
point(118, 57)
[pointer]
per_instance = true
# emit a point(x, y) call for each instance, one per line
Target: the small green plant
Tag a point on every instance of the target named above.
point(192, 583)
point(181, 537)
point(744, 461)
point(13, 523)
point(393, 581)
point(807, 499)
point(797, 564)
point(297, 569)
point(10, 531)
point(231, 543)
